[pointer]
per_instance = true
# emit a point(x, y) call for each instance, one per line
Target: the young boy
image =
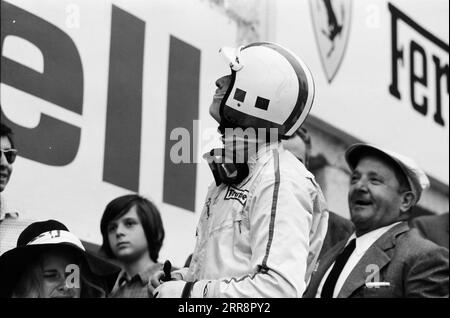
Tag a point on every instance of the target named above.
point(132, 233)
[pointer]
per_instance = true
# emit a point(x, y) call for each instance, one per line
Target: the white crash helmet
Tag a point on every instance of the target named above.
point(271, 88)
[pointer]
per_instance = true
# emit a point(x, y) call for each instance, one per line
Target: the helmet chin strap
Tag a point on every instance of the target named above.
point(229, 173)
point(229, 164)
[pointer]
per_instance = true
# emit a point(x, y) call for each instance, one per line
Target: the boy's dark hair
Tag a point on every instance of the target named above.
point(5, 131)
point(148, 215)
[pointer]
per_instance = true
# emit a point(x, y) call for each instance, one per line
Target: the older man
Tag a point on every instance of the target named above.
point(383, 258)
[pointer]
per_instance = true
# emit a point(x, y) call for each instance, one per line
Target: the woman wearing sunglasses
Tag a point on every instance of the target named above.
point(10, 226)
point(8, 155)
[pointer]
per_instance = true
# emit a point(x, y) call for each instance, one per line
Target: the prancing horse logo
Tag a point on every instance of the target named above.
point(331, 20)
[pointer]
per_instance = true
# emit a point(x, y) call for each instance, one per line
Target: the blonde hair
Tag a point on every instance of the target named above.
point(30, 282)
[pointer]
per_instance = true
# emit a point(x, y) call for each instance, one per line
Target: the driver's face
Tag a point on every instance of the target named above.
point(222, 86)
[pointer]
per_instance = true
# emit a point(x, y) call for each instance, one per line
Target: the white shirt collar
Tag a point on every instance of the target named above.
point(3, 209)
point(363, 242)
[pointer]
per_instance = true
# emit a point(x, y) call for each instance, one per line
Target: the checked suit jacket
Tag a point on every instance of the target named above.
point(412, 265)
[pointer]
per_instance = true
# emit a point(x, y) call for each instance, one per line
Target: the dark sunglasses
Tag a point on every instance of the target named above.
point(10, 155)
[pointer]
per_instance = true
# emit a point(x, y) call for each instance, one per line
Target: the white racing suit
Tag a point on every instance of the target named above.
point(262, 237)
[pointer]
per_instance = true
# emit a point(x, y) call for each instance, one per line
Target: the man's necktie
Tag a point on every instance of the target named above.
point(341, 260)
